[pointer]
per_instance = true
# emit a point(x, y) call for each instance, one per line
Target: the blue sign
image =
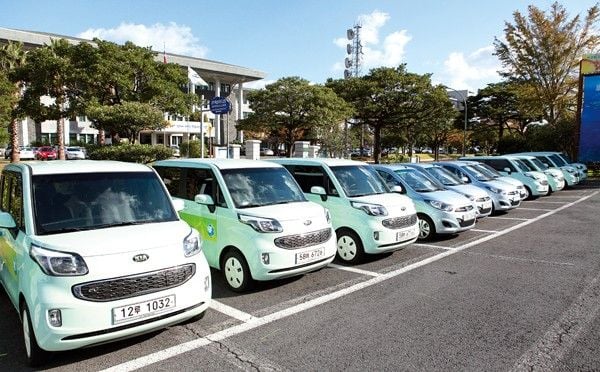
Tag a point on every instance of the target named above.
point(219, 105)
point(589, 132)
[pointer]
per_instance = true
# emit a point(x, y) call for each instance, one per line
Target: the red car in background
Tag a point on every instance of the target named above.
point(45, 153)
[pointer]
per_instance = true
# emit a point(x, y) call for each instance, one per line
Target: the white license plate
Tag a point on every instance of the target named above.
point(404, 235)
point(468, 216)
point(487, 205)
point(142, 309)
point(314, 255)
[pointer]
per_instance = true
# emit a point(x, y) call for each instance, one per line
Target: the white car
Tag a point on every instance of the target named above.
point(93, 251)
point(74, 153)
point(255, 222)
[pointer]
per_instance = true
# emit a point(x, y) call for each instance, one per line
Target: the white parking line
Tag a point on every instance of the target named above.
point(354, 270)
point(546, 202)
point(431, 246)
point(534, 209)
point(256, 322)
point(485, 231)
point(509, 218)
point(230, 311)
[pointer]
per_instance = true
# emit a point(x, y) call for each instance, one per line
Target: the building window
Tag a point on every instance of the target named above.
point(72, 137)
point(82, 118)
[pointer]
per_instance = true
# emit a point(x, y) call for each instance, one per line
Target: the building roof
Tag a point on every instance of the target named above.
point(205, 68)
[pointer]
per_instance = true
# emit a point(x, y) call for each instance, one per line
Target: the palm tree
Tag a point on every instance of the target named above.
point(12, 57)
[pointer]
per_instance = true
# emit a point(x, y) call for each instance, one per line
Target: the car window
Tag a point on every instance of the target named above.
point(202, 181)
point(87, 201)
point(308, 176)
point(172, 177)
point(12, 199)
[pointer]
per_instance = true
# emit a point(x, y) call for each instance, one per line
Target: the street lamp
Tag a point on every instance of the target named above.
point(464, 97)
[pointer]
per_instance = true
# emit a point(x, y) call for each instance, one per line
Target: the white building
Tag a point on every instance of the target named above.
point(216, 80)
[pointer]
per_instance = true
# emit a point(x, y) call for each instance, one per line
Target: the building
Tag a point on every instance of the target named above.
point(213, 79)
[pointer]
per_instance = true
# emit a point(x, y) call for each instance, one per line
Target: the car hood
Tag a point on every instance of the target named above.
point(117, 240)
point(474, 191)
point(513, 181)
point(502, 185)
point(391, 201)
point(446, 196)
point(288, 213)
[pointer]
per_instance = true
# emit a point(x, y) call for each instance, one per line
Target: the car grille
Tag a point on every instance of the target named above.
point(514, 202)
point(484, 211)
point(303, 240)
point(400, 222)
point(135, 285)
point(466, 223)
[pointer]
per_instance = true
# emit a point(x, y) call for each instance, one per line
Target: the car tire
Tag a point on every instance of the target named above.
point(349, 246)
point(35, 355)
point(426, 227)
point(529, 195)
point(236, 272)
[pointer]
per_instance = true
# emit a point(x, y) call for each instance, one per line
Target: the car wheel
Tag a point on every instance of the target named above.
point(349, 246)
point(426, 227)
point(35, 355)
point(236, 272)
point(527, 194)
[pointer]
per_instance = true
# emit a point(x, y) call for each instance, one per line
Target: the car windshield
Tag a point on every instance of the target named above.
point(444, 176)
point(480, 173)
point(522, 166)
point(558, 160)
point(359, 180)
point(565, 157)
point(536, 163)
point(488, 170)
point(257, 187)
point(417, 180)
point(88, 201)
point(73, 148)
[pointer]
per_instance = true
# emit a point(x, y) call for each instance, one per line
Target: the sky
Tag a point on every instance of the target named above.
point(452, 40)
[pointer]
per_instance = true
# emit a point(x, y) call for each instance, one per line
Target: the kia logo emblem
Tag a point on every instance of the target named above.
point(140, 257)
point(307, 222)
point(403, 208)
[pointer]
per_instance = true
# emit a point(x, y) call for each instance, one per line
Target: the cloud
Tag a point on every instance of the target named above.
point(390, 53)
point(177, 39)
point(473, 71)
point(258, 84)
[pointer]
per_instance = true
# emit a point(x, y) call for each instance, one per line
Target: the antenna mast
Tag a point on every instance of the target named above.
point(354, 51)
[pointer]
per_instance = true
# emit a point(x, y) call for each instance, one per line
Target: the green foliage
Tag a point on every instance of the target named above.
point(511, 143)
point(128, 118)
point(292, 108)
point(192, 149)
point(7, 100)
point(132, 153)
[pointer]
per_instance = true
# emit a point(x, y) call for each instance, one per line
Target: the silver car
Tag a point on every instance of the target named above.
point(504, 195)
point(448, 180)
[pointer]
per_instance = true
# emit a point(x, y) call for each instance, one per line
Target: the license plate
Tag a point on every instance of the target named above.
point(403, 235)
point(487, 205)
point(142, 309)
point(468, 216)
point(305, 257)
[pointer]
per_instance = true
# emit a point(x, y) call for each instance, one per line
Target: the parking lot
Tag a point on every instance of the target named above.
point(520, 290)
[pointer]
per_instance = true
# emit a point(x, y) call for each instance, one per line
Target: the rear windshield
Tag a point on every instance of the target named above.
point(88, 201)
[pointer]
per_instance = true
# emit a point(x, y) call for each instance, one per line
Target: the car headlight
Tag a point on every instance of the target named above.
point(371, 209)
point(260, 224)
point(192, 244)
point(493, 189)
point(56, 263)
point(570, 169)
point(440, 205)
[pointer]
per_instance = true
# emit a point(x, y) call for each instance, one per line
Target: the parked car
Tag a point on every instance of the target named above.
point(494, 174)
point(266, 152)
point(26, 153)
point(45, 153)
point(440, 211)
point(556, 180)
point(85, 252)
point(449, 180)
point(504, 195)
point(367, 216)
point(570, 173)
point(536, 183)
point(582, 168)
point(74, 153)
point(255, 221)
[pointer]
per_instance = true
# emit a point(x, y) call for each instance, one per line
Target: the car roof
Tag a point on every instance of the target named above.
point(394, 166)
point(80, 166)
point(317, 161)
point(474, 158)
point(421, 165)
point(460, 163)
point(219, 163)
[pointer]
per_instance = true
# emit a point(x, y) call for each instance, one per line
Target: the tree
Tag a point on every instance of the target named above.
point(52, 91)
point(543, 50)
point(12, 58)
point(128, 118)
point(128, 73)
point(392, 99)
point(293, 106)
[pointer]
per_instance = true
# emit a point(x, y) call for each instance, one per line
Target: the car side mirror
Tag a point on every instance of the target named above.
point(319, 190)
point(507, 170)
point(397, 189)
point(207, 200)
point(7, 221)
point(178, 204)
